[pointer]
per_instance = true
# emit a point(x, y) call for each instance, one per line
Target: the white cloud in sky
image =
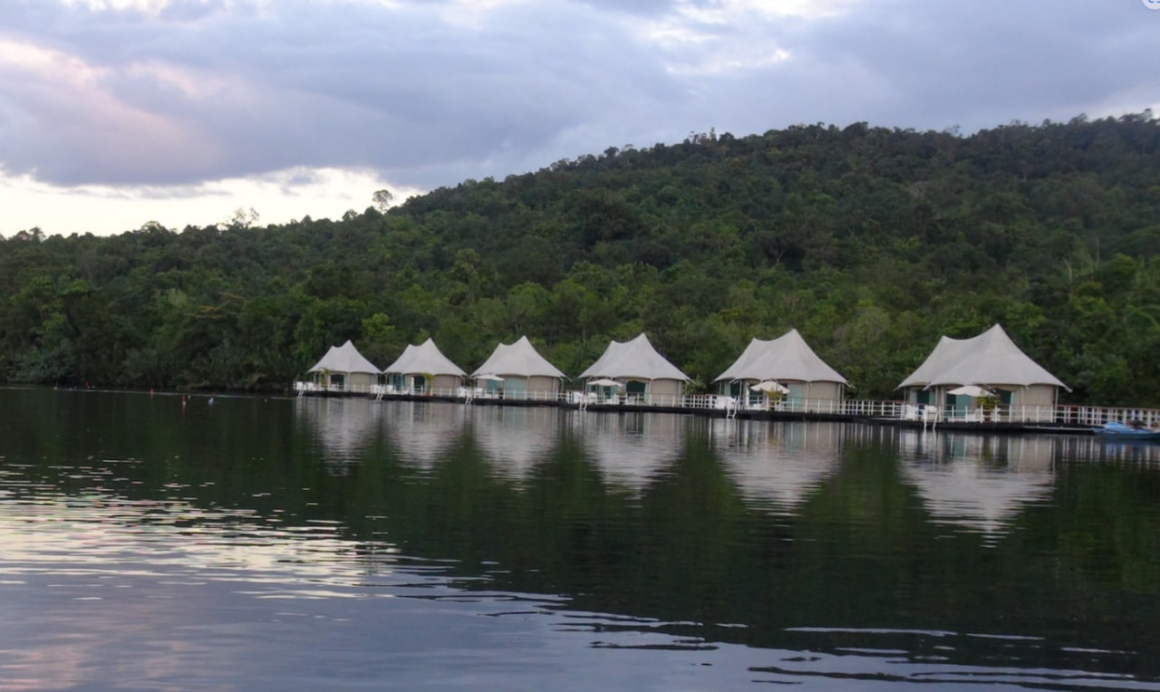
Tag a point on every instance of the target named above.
point(131, 104)
point(278, 197)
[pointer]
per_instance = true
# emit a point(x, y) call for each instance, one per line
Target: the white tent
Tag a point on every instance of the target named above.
point(642, 369)
point(343, 367)
point(990, 360)
point(345, 358)
point(787, 359)
point(522, 370)
point(411, 370)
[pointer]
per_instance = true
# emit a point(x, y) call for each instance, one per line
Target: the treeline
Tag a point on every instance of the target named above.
point(872, 242)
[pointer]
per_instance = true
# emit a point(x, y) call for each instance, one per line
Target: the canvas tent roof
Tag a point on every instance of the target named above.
point(636, 359)
point(987, 359)
point(521, 359)
point(345, 358)
point(787, 357)
point(424, 359)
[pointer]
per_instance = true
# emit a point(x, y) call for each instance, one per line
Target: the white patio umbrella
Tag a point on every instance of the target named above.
point(494, 378)
point(770, 386)
point(606, 383)
point(973, 391)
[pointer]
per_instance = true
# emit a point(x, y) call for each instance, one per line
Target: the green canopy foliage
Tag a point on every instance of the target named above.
point(872, 242)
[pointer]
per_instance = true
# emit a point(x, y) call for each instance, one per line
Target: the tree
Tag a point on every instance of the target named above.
point(382, 200)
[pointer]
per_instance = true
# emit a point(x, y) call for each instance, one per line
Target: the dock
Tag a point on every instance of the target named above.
point(1056, 419)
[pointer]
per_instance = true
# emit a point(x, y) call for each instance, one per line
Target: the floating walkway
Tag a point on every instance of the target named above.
point(1010, 419)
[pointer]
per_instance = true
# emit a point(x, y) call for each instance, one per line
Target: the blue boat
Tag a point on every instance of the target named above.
point(1124, 431)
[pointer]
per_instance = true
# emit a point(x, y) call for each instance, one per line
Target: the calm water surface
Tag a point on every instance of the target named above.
point(344, 544)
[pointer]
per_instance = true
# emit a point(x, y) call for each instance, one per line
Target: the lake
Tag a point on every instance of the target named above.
point(309, 544)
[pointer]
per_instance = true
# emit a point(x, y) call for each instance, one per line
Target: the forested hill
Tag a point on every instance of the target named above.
point(872, 242)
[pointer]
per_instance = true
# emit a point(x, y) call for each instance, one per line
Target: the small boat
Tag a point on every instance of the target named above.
point(1124, 431)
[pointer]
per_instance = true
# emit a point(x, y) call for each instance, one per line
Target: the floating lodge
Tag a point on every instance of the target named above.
point(981, 383)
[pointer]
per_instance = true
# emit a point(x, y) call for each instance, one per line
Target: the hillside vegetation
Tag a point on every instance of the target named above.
point(872, 242)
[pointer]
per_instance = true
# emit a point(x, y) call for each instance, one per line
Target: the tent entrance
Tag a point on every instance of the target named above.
point(796, 397)
point(957, 406)
point(515, 388)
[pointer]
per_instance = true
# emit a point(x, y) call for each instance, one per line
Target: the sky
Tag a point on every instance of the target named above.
point(118, 113)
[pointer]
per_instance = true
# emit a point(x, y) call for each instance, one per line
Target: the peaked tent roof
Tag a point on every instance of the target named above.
point(521, 359)
point(636, 358)
point(787, 357)
point(424, 359)
point(987, 359)
point(345, 358)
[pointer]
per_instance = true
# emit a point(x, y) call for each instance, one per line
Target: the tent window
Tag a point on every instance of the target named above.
point(1005, 396)
point(634, 387)
point(337, 380)
point(922, 397)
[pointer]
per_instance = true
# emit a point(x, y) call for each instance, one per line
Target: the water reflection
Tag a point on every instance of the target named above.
point(515, 439)
point(343, 428)
point(632, 449)
point(980, 482)
point(777, 465)
point(103, 592)
point(1094, 448)
point(423, 433)
point(469, 547)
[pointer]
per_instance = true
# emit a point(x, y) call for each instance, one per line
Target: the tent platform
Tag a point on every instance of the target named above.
point(1067, 420)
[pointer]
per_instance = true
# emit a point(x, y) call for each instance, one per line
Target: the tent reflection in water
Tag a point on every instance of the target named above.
point(1024, 390)
point(519, 372)
point(423, 433)
point(777, 466)
point(645, 374)
point(344, 429)
point(978, 482)
point(343, 368)
point(788, 362)
point(515, 439)
point(632, 450)
point(423, 369)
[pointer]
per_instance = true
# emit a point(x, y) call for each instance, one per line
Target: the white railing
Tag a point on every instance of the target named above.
point(1093, 416)
point(319, 387)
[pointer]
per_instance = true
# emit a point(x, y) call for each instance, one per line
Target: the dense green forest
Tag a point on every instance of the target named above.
point(872, 242)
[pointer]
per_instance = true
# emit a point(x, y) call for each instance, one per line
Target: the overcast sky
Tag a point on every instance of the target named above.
point(114, 113)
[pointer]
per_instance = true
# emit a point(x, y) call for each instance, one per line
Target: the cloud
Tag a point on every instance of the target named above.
point(931, 65)
point(399, 89)
point(279, 197)
point(155, 93)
